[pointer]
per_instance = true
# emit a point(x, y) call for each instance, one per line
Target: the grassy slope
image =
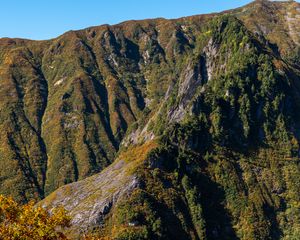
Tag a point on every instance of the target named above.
point(230, 168)
point(66, 105)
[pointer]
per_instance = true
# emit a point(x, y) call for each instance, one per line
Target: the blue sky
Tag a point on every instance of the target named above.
point(44, 19)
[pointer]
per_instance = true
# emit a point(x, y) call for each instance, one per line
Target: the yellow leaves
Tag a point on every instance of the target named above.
point(208, 32)
point(96, 238)
point(135, 153)
point(8, 60)
point(30, 222)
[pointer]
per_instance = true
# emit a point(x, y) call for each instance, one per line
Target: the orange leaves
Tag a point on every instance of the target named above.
point(30, 222)
point(135, 153)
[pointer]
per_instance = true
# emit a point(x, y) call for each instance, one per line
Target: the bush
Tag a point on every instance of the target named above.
point(30, 222)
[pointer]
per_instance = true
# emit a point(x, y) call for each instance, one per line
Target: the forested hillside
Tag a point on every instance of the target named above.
point(190, 127)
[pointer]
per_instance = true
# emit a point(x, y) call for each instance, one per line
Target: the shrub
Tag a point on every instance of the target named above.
point(30, 222)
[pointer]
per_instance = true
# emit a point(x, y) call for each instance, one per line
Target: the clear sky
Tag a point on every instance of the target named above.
point(44, 19)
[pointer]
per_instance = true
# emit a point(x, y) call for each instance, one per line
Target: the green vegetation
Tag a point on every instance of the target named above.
point(200, 114)
point(224, 171)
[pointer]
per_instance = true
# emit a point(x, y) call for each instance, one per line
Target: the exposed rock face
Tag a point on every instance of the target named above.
point(192, 78)
point(210, 52)
point(90, 200)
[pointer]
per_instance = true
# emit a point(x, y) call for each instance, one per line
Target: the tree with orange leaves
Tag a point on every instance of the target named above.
point(30, 222)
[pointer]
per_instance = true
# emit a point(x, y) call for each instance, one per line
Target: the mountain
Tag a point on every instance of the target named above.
point(169, 129)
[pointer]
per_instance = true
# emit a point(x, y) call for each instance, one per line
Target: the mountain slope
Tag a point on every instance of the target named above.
point(192, 123)
point(227, 165)
point(75, 97)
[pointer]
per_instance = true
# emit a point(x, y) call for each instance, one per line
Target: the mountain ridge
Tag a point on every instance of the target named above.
point(160, 168)
point(185, 121)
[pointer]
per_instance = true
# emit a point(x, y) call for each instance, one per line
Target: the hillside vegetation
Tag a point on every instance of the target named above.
point(160, 129)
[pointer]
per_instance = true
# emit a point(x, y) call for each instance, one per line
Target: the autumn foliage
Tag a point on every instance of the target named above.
point(30, 222)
